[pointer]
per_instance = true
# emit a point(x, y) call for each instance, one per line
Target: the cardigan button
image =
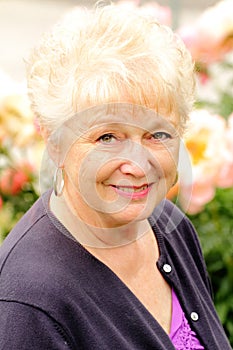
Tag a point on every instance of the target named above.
point(167, 268)
point(194, 316)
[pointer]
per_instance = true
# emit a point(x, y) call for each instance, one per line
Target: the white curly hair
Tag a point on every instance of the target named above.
point(107, 54)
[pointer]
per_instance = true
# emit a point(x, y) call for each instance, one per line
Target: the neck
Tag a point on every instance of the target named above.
point(96, 236)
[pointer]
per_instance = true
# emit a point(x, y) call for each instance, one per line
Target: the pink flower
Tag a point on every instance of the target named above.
point(206, 144)
point(13, 180)
point(201, 193)
point(225, 176)
point(210, 37)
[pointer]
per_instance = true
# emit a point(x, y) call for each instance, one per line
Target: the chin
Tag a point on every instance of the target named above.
point(132, 213)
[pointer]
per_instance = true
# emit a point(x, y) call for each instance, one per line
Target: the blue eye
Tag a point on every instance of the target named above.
point(161, 136)
point(107, 139)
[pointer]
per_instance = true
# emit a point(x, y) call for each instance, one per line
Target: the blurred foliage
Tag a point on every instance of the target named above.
point(14, 207)
point(18, 187)
point(214, 223)
point(223, 103)
point(215, 228)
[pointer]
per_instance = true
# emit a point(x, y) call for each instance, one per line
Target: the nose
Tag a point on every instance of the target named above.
point(136, 160)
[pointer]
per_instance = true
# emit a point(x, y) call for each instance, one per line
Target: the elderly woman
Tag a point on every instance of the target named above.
point(103, 260)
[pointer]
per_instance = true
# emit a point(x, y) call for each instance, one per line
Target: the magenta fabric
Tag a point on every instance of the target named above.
point(181, 335)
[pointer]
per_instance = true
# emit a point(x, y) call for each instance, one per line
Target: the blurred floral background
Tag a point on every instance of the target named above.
point(209, 142)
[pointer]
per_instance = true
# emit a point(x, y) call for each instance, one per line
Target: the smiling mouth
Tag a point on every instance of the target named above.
point(132, 189)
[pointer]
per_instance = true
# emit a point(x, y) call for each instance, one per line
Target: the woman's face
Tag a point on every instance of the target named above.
point(121, 165)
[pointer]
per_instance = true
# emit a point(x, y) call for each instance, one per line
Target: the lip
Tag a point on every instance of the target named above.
point(133, 192)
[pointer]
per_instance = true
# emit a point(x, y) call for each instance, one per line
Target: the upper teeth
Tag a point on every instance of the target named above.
point(131, 189)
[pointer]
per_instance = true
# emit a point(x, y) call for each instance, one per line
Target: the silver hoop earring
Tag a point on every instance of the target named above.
point(58, 182)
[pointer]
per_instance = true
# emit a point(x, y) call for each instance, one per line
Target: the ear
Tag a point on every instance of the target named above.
point(52, 145)
point(44, 133)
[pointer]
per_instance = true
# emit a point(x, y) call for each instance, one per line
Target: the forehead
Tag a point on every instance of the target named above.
point(124, 113)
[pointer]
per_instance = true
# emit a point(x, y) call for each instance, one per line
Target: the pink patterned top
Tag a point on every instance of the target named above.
point(181, 334)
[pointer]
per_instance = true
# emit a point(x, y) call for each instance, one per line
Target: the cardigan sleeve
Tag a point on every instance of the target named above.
point(27, 328)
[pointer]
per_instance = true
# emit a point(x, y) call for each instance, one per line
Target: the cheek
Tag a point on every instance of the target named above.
point(167, 160)
point(107, 170)
point(85, 168)
point(73, 164)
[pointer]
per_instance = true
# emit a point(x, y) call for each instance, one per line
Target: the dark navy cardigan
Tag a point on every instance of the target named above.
point(55, 295)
